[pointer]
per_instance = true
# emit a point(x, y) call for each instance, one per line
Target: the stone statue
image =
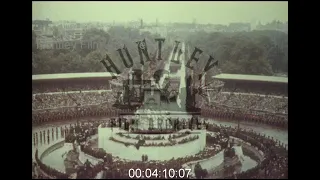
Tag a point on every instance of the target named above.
point(72, 162)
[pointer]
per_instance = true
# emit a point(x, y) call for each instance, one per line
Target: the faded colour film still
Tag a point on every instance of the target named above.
point(160, 90)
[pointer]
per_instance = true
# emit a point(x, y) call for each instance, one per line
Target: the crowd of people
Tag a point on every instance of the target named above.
point(159, 137)
point(170, 142)
point(59, 106)
point(212, 111)
point(268, 109)
point(244, 115)
point(257, 102)
point(38, 89)
point(119, 168)
point(69, 113)
point(274, 164)
point(56, 100)
point(258, 90)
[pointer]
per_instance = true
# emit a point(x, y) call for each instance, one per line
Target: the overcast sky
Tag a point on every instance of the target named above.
point(203, 12)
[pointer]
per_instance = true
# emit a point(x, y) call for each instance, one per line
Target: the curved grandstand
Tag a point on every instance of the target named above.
point(272, 85)
point(173, 109)
point(88, 99)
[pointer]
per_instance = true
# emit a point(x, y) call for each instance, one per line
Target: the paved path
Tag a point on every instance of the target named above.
point(54, 159)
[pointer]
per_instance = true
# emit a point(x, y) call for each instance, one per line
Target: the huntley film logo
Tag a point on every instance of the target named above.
point(143, 51)
point(71, 44)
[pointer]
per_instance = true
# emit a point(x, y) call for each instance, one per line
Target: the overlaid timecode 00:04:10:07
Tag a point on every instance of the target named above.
point(156, 173)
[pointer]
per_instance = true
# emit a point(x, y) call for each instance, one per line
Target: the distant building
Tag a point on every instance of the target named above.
point(134, 24)
point(274, 25)
point(238, 27)
point(220, 28)
point(41, 24)
point(66, 41)
point(75, 33)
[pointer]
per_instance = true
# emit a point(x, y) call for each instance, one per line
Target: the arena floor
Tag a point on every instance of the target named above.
point(55, 159)
point(279, 134)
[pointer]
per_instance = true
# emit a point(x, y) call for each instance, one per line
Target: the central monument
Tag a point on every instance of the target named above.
point(152, 114)
point(157, 105)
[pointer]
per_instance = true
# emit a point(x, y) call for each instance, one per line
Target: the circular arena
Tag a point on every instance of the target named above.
point(78, 132)
point(167, 100)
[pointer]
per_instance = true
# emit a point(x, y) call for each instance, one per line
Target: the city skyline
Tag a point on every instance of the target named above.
point(165, 12)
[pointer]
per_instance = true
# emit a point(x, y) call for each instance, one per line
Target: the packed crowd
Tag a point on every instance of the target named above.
point(159, 137)
point(212, 111)
point(273, 166)
point(257, 102)
point(59, 106)
point(61, 114)
point(257, 90)
point(119, 168)
point(250, 107)
point(54, 100)
point(80, 132)
point(227, 113)
point(275, 163)
point(71, 87)
point(171, 142)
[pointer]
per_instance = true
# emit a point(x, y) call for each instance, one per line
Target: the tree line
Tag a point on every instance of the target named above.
point(255, 52)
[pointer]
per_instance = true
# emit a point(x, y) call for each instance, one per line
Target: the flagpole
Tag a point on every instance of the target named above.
point(141, 85)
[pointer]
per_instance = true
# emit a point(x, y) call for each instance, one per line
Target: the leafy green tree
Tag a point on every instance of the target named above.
point(92, 40)
point(92, 62)
point(277, 59)
point(34, 41)
point(256, 52)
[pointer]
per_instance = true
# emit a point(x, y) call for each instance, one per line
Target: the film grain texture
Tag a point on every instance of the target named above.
point(148, 90)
